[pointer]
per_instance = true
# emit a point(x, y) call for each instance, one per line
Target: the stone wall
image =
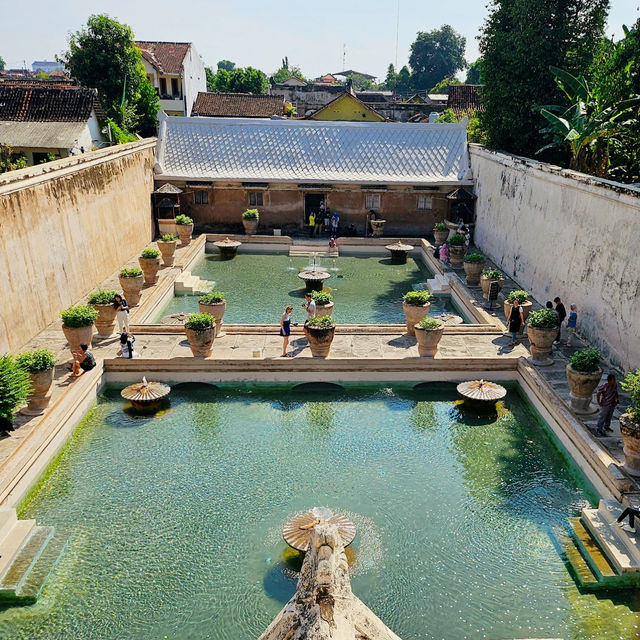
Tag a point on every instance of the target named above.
point(560, 233)
point(66, 226)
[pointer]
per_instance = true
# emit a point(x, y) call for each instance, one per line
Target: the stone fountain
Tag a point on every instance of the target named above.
point(399, 252)
point(146, 396)
point(480, 393)
point(227, 248)
point(314, 275)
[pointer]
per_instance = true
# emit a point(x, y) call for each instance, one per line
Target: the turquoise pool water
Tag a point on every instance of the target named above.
point(259, 287)
point(173, 522)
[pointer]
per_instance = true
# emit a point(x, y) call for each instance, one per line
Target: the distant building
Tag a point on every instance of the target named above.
point(347, 108)
point(350, 72)
point(176, 71)
point(237, 105)
point(464, 99)
point(46, 65)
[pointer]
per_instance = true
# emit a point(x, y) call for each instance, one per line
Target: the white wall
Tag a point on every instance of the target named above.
point(560, 233)
point(194, 78)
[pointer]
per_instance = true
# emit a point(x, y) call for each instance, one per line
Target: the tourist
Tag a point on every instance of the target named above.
point(285, 329)
point(562, 314)
point(444, 253)
point(607, 397)
point(515, 322)
point(126, 345)
point(309, 305)
point(318, 224)
point(312, 224)
point(335, 220)
point(571, 324)
point(633, 513)
point(332, 243)
point(352, 232)
point(372, 216)
point(83, 361)
point(555, 313)
point(122, 312)
point(464, 230)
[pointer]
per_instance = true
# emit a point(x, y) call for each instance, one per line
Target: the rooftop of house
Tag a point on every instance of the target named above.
point(351, 72)
point(237, 105)
point(166, 57)
point(464, 98)
point(46, 103)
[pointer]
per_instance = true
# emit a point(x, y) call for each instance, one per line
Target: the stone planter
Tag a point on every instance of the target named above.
point(526, 308)
point(40, 395)
point(440, 236)
point(428, 340)
point(413, 314)
point(485, 283)
point(473, 271)
point(582, 386)
point(132, 289)
point(217, 311)
point(184, 232)
point(324, 309)
point(150, 267)
point(201, 342)
point(167, 249)
point(319, 340)
point(456, 255)
point(167, 226)
point(630, 430)
point(77, 335)
point(378, 227)
point(250, 226)
point(106, 320)
point(541, 341)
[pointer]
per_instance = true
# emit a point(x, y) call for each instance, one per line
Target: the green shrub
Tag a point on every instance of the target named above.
point(543, 319)
point(474, 257)
point(320, 322)
point(322, 297)
point(631, 384)
point(440, 226)
point(36, 360)
point(168, 237)
point(15, 386)
point(103, 296)
point(149, 253)
point(213, 297)
point(200, 321)
point(79, 316)
point(182, 219)
point(586, 360)
point(493, 274)
point(457, 240)
point(132, 272)
point(521, 296)
point(417, 298)
point(430, 324)
point(251, 214)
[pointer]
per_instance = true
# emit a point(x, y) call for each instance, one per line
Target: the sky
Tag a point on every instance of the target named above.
point(316, 36)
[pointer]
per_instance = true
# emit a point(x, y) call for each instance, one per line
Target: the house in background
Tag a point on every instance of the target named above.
point(347, 108)
point(465, 99)
point(176, 71)
point(43, 121)
point(237, 105)
point(48, 66)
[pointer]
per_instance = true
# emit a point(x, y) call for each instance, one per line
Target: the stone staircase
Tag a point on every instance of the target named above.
point(307, 250)
point(186, 283)
point(439, 284)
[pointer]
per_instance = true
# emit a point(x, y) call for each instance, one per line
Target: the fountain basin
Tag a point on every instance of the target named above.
point(399, 252)
point(227, 248)
point(313, 280)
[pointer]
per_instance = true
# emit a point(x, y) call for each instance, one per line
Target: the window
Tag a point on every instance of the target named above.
point(163, 86)
point(372, 201)
point(255, 199)
point(424, 203)
point(200, 197)
point(175, 90)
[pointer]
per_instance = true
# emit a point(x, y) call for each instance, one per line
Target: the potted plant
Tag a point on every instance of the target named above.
point(167, 245)
point(630, 423)
point(77, 325)
point(473, 266)
point(440, 232)
point(488, 276)
point(214, 304)
point(428, 334)
point(150, 264)
point(14, 390)
point(457, 248)
point(39, 364)
point(319, 331)
point(132, 281)
point(324, 302)
point(523, 298)
point(102, 302)
point(415, 305)
point(200, 329)
point(184, 225)
point(250, 220)
point(542, 331)
point(377, 227)
point(583, 375)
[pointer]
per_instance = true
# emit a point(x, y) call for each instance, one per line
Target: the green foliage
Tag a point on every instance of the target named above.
point(441, 226)
point(543, 319)
point(474, 257)
point(476, 131)
point(10, 161)
point(320, 322)
point(520, 295)
point(36, 360)
point(168, 237)
point(248, 80)
point(149, 253)
point(631, 384)
point(200, 321)
point(132, 272)
point(118, 134)
point(213, 297)
point(493, 274)
point(417, 298)
point(49, 158)
point(284, 73)
point(404, 81)
point(103, 297)
point(586, 360)
point(251, 214)
point(79, 316)
point(436, 55)
point(183, 220)
point(391, 78)
point(289, 110)
point(14, 387)
point(2, 63)
point(430, 324)
point(322, 297)
point(474, 73)
point(443, 86)
point(227, 65)
point(457, 240)
point(447, 116)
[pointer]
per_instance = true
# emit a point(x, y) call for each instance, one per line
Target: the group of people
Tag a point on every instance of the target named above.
point(442, 252)
point(323, 220)
point(515, 320)
point(309, 305)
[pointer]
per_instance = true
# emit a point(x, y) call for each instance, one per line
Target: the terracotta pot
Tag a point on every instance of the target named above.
point(428, 340)
point(216, 310)
point(440, 236)
point(77, 335)
point(630, 430)
point(166, 226)
point(132, 289)
point(485, 283)
point(40, 395)
point(201, 342)
point(150, 267)
point(541, 341)
point(184, 232)
point(319, 340)
point(167, 249)
point(324, 309)
point(473, 271)
point(378, 227)
point(106, 320)
point(250, 226)
point(413, 314)
point(582, 385)
point(526, 308)
point(456, 254)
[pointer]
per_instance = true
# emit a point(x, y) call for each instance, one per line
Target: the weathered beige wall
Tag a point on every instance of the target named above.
point(65, 227)
point(565, 234)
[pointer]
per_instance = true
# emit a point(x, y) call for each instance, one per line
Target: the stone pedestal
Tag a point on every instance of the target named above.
point(630, 430)
point(541, 340)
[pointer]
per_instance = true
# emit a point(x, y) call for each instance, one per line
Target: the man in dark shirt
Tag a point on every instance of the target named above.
point(83, 361)
point(607, 397)
point(562, 314)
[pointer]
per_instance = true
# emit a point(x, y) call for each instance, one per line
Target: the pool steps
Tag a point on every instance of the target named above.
point(439, 284)
point(306, 251)
point(187, 283)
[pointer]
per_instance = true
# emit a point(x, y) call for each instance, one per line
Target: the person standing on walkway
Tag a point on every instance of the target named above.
point(633, 513)
point(562, 314)
point(312, 224)
point(515, 321)
point(335, 220)
point(607, 397)
point(309, 305)
point(571, 324)
point(285, 329)
point(122, 313)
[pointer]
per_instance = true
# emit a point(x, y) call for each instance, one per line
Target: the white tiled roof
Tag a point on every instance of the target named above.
point(235, 149)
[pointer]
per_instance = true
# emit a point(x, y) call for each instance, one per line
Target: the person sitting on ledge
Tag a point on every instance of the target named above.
point(82, 360)
point(332, 243)
point(633, 514)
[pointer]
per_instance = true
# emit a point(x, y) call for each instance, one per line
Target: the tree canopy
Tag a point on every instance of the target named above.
point(247, 80)
point(474, 73)
point(227, 65)
point(443, 85)
point(287, 71)
point(2, 63)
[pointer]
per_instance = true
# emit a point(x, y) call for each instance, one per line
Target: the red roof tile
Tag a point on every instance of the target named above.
point(166, 57)
point(237, 105)
point(46, 104)
point(464, 98)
